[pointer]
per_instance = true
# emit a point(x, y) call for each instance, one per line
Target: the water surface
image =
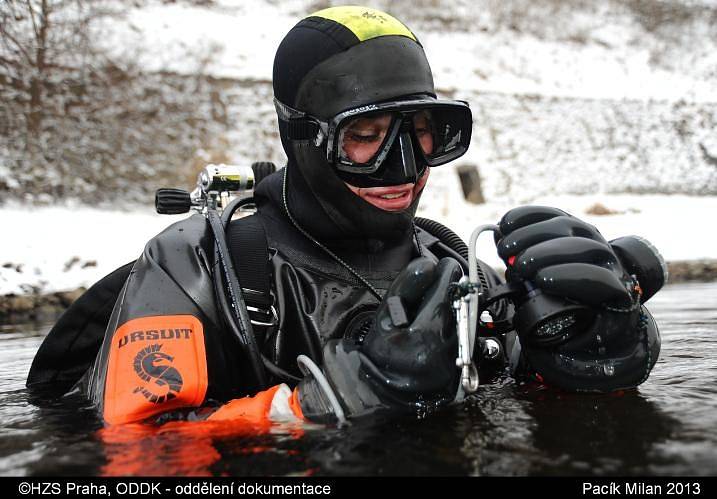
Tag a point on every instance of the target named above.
point(666, 427)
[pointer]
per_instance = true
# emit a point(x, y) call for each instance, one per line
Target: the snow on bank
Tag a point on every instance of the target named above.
point(66, 247)
point(238, 40)
point(677, 225)
point(63, 248)
point(524, 65)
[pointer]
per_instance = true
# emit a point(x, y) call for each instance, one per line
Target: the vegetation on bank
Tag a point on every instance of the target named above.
point(85, 121)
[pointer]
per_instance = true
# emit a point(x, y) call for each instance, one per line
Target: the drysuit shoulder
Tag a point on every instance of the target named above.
point(177, 258)
point(165, 347)
point(73, 343)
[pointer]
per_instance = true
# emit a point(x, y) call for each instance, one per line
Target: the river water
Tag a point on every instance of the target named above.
point(666, 427)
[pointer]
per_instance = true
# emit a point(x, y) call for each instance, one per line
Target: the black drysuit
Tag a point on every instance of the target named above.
point(167, 300)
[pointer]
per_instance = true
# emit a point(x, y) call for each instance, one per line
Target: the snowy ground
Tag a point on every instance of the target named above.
point(603, 53)
point(593, 104)
point(601, 105)
point(63, 248)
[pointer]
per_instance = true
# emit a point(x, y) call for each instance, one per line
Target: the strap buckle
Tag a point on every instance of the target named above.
point(267, 318)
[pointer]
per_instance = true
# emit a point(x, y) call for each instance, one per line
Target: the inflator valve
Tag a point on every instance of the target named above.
point(172, 201)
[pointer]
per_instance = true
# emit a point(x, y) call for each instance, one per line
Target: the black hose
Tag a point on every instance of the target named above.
point(278, 372)
point(236, 315)
point(452, 253)
point(446, 235)
point(232, 207)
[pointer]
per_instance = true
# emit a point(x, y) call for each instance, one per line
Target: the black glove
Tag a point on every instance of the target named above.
point(406, 362)
point(580, 322)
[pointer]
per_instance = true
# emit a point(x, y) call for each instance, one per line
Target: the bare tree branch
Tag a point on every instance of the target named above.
point(6, 35)
point(31, 10)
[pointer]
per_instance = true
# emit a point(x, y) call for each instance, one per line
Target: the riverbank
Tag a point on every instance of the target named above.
point(50, 254)
point(39, 307)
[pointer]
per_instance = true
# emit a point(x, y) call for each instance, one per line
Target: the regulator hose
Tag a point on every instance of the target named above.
point(224, 304)
point(446, 235)
point(236, 315)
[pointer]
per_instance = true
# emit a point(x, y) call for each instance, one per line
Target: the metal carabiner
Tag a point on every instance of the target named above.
point(469, 372)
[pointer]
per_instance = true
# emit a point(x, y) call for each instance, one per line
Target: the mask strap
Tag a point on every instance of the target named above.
point(299, 125)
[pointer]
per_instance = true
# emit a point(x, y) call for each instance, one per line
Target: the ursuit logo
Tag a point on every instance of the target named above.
point(155, 366)
point(155, 334)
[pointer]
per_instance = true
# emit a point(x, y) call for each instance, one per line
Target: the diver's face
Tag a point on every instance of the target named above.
point(392, 198)
point(360, 142)
point(362, 137)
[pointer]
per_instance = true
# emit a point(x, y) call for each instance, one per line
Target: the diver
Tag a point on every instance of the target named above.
point(347, 281)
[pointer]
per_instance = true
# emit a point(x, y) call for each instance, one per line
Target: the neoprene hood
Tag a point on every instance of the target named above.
point(337, 59)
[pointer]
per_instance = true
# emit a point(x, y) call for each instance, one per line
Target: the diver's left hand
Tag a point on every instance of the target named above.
point(564, 256)
point(569, 260)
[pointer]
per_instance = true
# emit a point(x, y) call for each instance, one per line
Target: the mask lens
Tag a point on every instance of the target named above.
point(446, 132)
point(439, 132)
point(360, 140)
point(425, 131)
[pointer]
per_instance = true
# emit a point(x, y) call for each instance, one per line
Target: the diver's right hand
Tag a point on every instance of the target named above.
point(407, 360)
